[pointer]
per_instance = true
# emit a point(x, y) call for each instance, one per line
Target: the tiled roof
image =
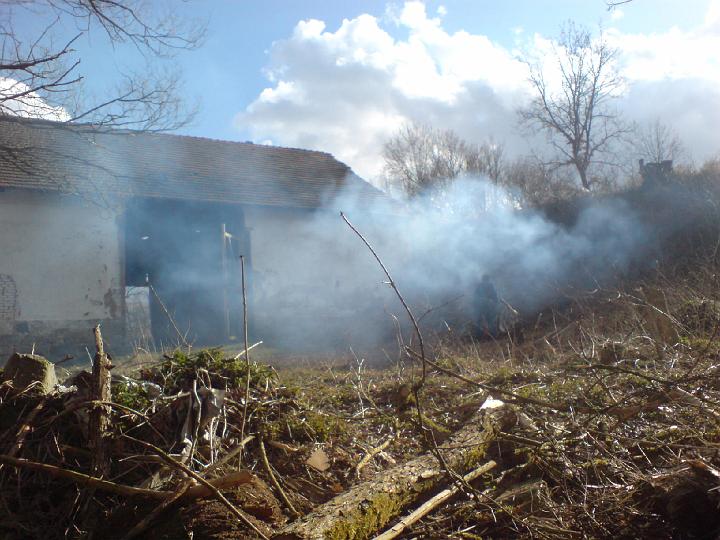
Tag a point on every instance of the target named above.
point(42, 155)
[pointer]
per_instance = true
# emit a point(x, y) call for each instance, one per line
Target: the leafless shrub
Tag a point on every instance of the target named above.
point(656, 142)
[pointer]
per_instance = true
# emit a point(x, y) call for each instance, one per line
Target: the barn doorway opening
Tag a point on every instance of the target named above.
point(186, 255)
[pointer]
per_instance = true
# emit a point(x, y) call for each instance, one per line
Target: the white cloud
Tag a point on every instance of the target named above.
point(284, 91)
point(18, 99)
point(675, 54)
point(674, 76)
point(712, 17)
point(617, 14)
point(347, 90)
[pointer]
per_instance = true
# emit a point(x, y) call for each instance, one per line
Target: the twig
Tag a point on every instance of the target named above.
point(196, 404)
point(283, 446)
point(25, 428)
point(492, 389)
point(129, 410)
point(274, 480)
point(67, 358)
point(84, 479)
point(73, 406)
point(170, 318)
point(518, 439)
point(628, 371)
point(229, 455)
point(219, 496)
point(392, 284)
point(432, 504)
point(369, 455)
point(250, 348)
point(142, 526)
point(444, 304)
point(428, 433)
point(195, 491)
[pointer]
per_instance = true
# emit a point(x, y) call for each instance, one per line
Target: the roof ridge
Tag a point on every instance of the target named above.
point(84, 126)
point(81, 157)
point(225, 141)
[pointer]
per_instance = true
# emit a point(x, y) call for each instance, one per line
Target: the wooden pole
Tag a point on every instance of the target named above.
point(226, 306)
point(247, 350)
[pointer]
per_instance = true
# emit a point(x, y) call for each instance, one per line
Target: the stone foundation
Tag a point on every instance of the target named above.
point(56, 339)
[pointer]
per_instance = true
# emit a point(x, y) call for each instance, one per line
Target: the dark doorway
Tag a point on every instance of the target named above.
point(187, 253)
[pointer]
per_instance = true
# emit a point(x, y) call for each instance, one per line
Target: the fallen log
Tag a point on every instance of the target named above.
point(427, 507)
point(368, 506)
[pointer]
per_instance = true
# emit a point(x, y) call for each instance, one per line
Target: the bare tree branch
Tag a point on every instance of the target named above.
point(612, 4)
point(41, 80)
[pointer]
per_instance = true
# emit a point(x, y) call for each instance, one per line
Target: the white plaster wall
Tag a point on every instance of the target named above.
point(312, 278)
point(298, 253)
point(63, 255)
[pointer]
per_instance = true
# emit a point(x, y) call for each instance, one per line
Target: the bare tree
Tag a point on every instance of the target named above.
point(420, 159)
point(575, 112)
point(533, 183)
point(656, 142)
point(488, 159)
point(39, 78)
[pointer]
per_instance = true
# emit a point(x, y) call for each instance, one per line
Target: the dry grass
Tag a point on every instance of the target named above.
point(628, 447)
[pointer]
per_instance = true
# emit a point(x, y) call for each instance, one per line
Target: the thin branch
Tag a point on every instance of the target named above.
point(219, 496)
point(392, 284)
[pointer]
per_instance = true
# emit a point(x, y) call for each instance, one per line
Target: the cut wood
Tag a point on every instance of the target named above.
point(100, 415)
point(361, 511)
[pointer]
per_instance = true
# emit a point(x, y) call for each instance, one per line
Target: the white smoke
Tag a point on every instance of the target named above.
point(437, 248)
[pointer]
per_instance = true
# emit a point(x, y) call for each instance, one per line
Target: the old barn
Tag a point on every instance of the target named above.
point(88, 214)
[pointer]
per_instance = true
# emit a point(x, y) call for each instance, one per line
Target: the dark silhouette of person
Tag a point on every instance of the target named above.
point(486, 305)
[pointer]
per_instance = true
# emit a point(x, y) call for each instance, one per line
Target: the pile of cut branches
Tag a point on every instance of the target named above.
point(205, 445)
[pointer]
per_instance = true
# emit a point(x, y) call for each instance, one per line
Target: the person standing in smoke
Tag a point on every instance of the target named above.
point(487, 304)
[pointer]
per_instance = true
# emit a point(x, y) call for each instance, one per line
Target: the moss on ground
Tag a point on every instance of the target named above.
point(307, 426)
point(178, 370)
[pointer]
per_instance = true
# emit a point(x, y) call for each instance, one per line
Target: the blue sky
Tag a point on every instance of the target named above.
point(341, 76)
point(241, 33)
